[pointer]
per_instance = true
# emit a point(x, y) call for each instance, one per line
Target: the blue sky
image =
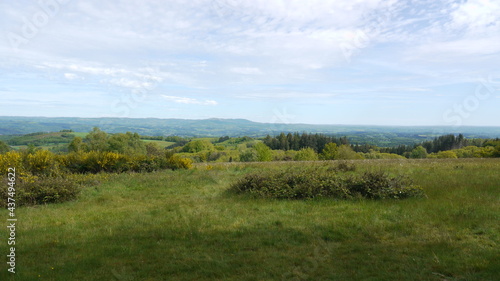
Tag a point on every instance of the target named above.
point(382, 62)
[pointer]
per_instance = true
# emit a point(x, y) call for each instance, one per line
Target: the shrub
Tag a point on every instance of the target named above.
point(176, 162)
point(345, 152)
point(379, 185)
point(306, 154)
point(343, 166)
point(196, 146)
point(41, 162)
point(307, 184)
point(264, 153)
point(31, 190)
point(11, 159)
point(249, 155)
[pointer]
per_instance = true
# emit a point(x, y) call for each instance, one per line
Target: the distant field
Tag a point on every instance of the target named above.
point(183, 225)
point(162, 144)
point(80, 134)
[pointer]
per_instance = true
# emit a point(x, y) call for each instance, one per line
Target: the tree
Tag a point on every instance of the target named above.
point(418, 152)
point(97, 140)
point(306, 154)
point(446, 154)
point(496, 153)
point(77, 145)
point(248, 155)
point(345, 152)
point(4, 147)
point(330, 151)
point(263, 152)
point(154, 149)
point(128, 143)
point(196, 146)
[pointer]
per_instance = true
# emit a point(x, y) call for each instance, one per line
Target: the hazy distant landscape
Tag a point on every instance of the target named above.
point(377, 135)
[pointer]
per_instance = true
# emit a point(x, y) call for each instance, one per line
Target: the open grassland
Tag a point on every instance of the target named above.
point(161, 144)
point(183, 225)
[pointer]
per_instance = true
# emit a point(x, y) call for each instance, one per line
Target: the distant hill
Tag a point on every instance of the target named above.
point(378, 135)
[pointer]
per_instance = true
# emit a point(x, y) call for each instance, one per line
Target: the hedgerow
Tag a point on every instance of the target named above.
point(44, 177)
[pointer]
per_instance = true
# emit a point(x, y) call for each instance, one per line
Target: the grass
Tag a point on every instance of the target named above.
point(184, 225)
point(162, 144)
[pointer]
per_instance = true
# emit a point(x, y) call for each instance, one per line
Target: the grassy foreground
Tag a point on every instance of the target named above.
point(183, 225)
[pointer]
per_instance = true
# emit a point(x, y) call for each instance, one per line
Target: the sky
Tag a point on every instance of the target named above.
point(370, 62)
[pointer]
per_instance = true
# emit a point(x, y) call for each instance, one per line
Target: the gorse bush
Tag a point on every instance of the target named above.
point(308, 184)
point(43, 162)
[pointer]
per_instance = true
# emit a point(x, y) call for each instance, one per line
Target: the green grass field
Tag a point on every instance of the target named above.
point(162, 144)
point(183, 225)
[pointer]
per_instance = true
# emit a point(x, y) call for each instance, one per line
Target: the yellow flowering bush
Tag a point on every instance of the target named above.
point(11, 159)
point(176, 162)
point(41, 162)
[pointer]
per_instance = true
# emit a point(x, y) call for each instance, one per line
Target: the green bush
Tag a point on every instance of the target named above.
point(343, 166)
point(306, 154)
point(33, 190)
point(308, 184)
point(379, 185)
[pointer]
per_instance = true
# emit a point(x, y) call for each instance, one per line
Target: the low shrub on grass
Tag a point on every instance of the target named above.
point(380, 185)
point(309, 184)
point(343, 166)
point(33, 190)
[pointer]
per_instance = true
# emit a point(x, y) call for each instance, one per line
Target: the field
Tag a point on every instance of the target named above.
point(162, 144)
point(184, 225)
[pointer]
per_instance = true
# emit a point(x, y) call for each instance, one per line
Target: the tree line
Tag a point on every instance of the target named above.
point(298, 141)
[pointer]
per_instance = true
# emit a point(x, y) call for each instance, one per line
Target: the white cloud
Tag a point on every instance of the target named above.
point(70, 76)
point(477, 15)
point(185, 100)
point(128, 83)
point(247, 70)
point(462, 49)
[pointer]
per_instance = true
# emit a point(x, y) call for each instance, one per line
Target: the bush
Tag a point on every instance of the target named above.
point(176, 162)
point(308, 184)
point(379, 185)
point(41, 162)
point(11, 159)
point(196, 146)
point(97, 161)
point(32, 190)
point(4, 147)
point(306, 154)
point(249, 155)
point(343, 166)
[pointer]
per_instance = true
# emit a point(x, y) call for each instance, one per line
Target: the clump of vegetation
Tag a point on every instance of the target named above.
point(34, 190)
point(308, 184)
point(343, 166)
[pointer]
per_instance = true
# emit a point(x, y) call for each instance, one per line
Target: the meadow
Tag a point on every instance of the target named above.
point(185, 225)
